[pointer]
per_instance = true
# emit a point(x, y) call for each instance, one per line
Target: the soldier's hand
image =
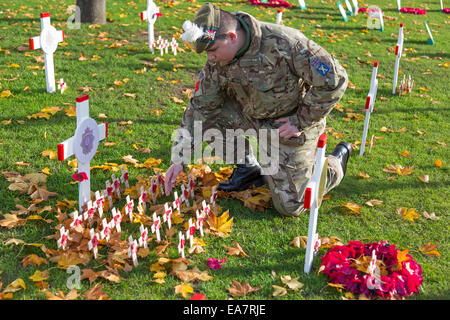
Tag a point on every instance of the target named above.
point(171, 177)
point(287, 130)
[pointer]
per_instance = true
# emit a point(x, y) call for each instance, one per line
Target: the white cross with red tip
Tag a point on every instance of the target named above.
point(132, 250)
point(48, 40)
point(99, 200)
point(151, 14)
point(167, 216)
point(93, 243)
point(156, 226)
point(62, 241)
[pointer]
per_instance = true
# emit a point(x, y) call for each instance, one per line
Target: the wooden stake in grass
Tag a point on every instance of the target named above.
point(151, 14)
point(83, 145)
point(47, 41)
point(430, 40)
point(279, 15)
point(302, 5)
point(313, 198)
point(342, 11)
point(370, 102)
point(398, 55)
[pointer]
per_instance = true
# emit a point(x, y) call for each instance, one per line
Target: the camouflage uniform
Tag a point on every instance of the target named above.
point(282, 74)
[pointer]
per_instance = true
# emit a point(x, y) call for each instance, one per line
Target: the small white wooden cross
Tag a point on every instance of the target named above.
point(311, 201)
point(130, 205)
point(99, 200)
point(185, 195)
point(144, 236)
point(191, 184)
point(166, 46)
point(143, 199)
point(398, 55)
point(153, 189)
point(62, 85)
point(177, 202)
point(62, 241)
point(190, 232)
point(132, 250)
point(116, 184)
point(89, 213)
point(213, 196)
point(117, 218)
point(92, 244)
point(109, 192)
point(279, 15)
point(370, 102)
point(199, 222)
point(167, 216)
point(151, 14)
point(124, 177)
point(161, 47)
point(174, 46)
point(206, 208)
point(156, 225)
point(83, 145)
point(107, 228)
point(77, 220)
point(47, 41)
point(181, 244)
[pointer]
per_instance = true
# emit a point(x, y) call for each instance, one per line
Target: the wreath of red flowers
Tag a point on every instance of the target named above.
point(375, 269)
point(270, 3)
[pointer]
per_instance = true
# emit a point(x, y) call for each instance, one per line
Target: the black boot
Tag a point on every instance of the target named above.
point(343, 151)
point(243, 177)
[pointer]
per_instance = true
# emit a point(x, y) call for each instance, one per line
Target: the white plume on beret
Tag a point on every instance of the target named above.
point(191, 31)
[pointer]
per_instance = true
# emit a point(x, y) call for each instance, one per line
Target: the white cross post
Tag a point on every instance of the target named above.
point(181, 243)
point(191, 184)
point(153, 188)
point(185, 195)
point(370, 102)
point(311, 202)
point(302, 5)
point(430, 40)
point(62, 85)
point(174, 46)
point(107, 227)
point(177, 202)
point(398, 55)
point(89, 213)
point(342, 11)
point(167, 216)
point(77, 220)
point(92, 244)
point(160, 181)
point(166, 46)
point(83, 145)
point(442, 6)
point(349, 7)
point(206, 208)
point(124, 177)
point(109, 192)
point(143, 199)
point(99, 200)
point(132, 250)
point(156, 225)
point(116, 184)
point(47, 41)
point(190, 232)
point(213, 198)
point(199, 222)
point(355, 6)
point(130, 206)
point(279, 15)
point(399, 5)
point(62, 241)
point(117, 218)
point(144, 236)
point(151, 14)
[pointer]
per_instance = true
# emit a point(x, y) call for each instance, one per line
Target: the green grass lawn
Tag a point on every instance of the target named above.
point(118, 51)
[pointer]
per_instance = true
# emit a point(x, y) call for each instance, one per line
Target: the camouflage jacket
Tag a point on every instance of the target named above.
point(282, 73)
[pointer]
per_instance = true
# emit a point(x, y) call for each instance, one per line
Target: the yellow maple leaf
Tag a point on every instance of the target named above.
point(49, 153)
point(15, 286)
point(39, 276)
point(184, 289)
point(5, 94)
point(408, 214)
point(220, 226)
point(430, 250)
point(353, 207)
point(404, 153)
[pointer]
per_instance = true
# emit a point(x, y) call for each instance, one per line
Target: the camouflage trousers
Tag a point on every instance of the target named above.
point(296, 156)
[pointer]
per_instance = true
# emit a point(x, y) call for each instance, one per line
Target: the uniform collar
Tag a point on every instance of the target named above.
point(251, 55)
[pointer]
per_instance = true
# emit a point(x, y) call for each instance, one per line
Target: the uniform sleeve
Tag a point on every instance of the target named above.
point(326, 78)
point(204, 105)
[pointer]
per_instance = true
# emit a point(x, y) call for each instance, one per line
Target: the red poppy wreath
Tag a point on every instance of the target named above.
point(376, 270)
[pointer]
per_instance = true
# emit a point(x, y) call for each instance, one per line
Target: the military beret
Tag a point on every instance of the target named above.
point(203, 31)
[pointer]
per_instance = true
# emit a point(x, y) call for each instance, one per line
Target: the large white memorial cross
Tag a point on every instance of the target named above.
point(398, 55)
point(151, 14)
point(312, 199)
point(370, 102)
point(47, 41)
point(83, 145)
